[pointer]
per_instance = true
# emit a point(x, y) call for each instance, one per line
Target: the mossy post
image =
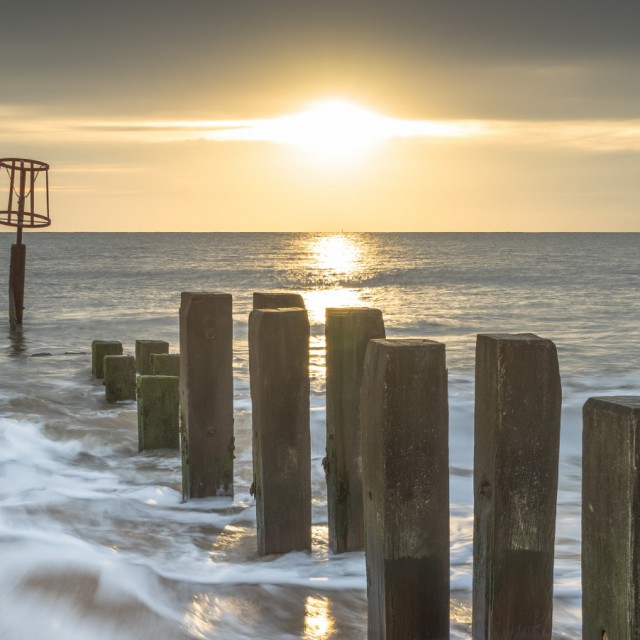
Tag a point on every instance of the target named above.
point(405, 421)
point(206, 394)
point(611, 518)
point(144, 350)
point(158, 408)
point(277, 300)
point(119, 378)
point(279, 371)
point(517, 439)
point(165, 364)
point(100, 349)
point(348, 331)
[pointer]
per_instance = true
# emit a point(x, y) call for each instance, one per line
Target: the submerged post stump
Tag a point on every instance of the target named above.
point(517, 439)
point(206, 394)
point(100, 349)
point(348, 331)
point(119, 378)
point(144, 350)
point(279, 372)
point(165, 364)
point(404, 422)
point(277, 300)
point(611, 518)
point(158, 408)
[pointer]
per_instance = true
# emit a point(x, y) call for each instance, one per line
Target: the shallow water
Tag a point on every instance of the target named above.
point(94, 540)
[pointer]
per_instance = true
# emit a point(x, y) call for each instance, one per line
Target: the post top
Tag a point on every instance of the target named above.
point(512, 337)
point(615, 404)
point(343, 311)
point(204, 294)
point(407, 343)
point(280, 310)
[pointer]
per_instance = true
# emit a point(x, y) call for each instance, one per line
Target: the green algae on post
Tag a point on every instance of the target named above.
point(119, 378)
point(144, 350)
point(100, 349)
point(158, 412)
point(165, 364)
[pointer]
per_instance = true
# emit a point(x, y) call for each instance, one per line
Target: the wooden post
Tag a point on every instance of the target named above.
point(517, 439)
point(277, 300)
point(165, 364)
point(405, 455)
point(206, 394)
point(611, 518)
point(158, 402)
point(348, 331)
point(144, 351)
point(100, 349)
point(119, 378)
point(16, 284)
point(279, 370)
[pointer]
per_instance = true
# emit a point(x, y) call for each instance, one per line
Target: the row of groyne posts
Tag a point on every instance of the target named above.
point(387, 461)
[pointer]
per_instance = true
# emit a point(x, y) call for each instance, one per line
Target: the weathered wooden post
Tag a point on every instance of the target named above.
point(158, 407)
point(348, 331)
point(611, 518)
point(100, 349)
point(279, 371)
point(517, 439)
point(277, 300)
point(404, 422)
point(119, 378)
point(22, 214)
point(206, 394)
point(165, 364)
point(144, 350)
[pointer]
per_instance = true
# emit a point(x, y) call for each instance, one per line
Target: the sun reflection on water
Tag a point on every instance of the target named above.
point(332, 260)
point(318, 622)
point(318, 300)
point(340, 255)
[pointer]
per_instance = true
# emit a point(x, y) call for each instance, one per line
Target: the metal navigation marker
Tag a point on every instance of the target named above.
point(23, 200)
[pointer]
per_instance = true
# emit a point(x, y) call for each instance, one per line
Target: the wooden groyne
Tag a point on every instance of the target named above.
point(387, 462)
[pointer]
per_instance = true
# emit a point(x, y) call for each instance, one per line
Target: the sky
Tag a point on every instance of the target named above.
point(276, 115)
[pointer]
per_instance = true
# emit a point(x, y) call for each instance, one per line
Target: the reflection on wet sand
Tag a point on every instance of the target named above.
point(318, 623)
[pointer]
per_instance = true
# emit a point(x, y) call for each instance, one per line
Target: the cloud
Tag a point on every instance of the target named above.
point(23, 126)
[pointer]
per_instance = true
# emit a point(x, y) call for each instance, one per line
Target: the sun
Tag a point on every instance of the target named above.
point(331, 129)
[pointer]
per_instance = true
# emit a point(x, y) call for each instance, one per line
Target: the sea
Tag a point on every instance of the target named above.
point(95, 540)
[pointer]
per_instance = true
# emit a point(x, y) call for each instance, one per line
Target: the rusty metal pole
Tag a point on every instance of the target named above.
point(18, 263)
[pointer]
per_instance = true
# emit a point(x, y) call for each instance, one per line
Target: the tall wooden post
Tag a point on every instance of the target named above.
point(279, 370)
point(611, 518)
point(277, 300)
point(348, 331)
point(206, 394)
point(404, 422)
point(517, 439)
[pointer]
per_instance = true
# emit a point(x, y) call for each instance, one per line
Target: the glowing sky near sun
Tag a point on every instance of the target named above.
point(408, 116)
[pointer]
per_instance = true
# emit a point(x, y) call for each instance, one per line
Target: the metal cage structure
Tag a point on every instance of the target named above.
point(22, 210)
